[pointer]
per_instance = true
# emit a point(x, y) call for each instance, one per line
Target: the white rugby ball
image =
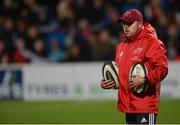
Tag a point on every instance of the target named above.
point(110, 72)
point(140, 70)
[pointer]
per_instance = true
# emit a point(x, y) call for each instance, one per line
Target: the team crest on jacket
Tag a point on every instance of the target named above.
point(138, 50)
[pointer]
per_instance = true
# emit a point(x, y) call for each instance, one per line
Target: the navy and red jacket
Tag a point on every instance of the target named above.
point(146, 48)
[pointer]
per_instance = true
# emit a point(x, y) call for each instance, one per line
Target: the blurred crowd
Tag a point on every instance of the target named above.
point(34, 31)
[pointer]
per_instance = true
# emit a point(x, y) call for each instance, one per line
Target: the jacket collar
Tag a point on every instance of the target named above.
point(145, 31)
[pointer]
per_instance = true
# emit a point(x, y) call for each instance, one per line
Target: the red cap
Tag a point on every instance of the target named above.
point(131, 15)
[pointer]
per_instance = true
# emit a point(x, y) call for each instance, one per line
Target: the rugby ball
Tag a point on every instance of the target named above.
point(140, 70)
point(110, 72)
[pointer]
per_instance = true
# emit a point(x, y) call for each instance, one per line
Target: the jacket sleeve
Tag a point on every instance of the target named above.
point(157, 61)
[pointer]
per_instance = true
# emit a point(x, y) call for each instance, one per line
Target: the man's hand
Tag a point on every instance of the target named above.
point(107, 84)
point(136, 81)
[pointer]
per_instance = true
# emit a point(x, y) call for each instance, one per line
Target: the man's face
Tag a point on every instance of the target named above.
point(131, 29)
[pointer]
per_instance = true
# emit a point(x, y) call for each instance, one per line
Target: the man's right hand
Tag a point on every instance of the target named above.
point(107, 84)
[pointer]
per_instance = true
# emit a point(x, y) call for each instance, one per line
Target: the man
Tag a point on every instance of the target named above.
point(139, 44)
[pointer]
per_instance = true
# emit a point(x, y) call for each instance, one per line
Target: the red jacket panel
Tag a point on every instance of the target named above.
point(146, 48)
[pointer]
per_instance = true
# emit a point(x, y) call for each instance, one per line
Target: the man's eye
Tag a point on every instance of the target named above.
point(128, 24)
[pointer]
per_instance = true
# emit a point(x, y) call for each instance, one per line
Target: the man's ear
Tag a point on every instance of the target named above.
point(140, 23)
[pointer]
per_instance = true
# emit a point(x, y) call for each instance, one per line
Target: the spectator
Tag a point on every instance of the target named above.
point(19, 55)
point(40, 49)
point(75, 25)
point(56, 53)
point(103, 49)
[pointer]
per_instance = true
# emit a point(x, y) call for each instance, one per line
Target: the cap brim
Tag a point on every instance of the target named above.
point(121, 19)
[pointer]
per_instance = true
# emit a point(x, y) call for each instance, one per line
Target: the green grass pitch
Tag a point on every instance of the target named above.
point(84, 111)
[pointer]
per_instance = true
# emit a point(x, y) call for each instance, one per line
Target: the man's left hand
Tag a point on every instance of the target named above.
point(136, 81)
